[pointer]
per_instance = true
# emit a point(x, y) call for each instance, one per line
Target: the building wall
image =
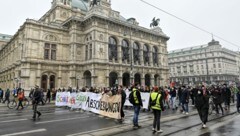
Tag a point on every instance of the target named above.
point(24, 64)
point(207, 63)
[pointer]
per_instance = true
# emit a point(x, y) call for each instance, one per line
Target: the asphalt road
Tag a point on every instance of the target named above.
point(64, 122)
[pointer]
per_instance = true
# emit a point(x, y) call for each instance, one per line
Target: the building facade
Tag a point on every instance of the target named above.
point(75, 44)
point(4, 38)
point(209, 63)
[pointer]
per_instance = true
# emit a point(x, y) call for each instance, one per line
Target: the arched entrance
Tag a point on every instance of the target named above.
point(113, 79)
point(156, 80)
point(126, 79)
point(87, 78)
point(44, 82)
point(137, 78)
point(52, 82)
point(147, 80)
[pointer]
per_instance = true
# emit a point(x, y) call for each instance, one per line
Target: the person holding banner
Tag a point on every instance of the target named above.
point(136, 105)
point(121, 91)
point(156, 103)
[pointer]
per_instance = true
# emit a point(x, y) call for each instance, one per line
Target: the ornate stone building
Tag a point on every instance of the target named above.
point(76, 45)
point(209, 63)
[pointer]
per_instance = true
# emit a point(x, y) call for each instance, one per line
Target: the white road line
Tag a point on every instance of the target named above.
point(25, 132)
point(43, 122)
point(16, 120)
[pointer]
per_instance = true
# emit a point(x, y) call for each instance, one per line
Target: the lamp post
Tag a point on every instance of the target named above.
point(77, 82)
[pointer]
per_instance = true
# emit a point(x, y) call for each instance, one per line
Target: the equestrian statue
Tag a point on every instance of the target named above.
point(94, 2)
point(155, 22)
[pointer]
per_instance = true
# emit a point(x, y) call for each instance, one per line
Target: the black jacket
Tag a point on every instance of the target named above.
point(201, 101)
point(37, 95)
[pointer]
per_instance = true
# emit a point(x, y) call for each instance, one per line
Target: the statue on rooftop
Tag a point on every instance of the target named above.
point(94, 2)
point(155, 22)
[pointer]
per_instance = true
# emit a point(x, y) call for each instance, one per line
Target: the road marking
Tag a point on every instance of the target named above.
point(25, 132)
point(59, 120)
point(16, 120)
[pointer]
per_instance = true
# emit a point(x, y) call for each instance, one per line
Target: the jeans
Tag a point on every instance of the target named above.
point(185, 107)
point(173, 102)
point(136, 113)
point(156, 121)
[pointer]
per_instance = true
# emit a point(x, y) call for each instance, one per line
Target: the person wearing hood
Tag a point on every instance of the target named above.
point(202, 105)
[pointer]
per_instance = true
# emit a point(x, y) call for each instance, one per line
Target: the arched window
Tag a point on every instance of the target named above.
point(146, 54)
point(136, 51)
point(125, 50)
point(155, 55)
point(112, 47)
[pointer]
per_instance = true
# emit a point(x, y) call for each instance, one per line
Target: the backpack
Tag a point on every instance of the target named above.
point(131, 98)
point(154, 102)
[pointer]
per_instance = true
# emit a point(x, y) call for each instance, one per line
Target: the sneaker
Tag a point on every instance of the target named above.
point(39, 115)
point(135, 127)
point(204, 126)
point(160, 131)
point(186, 113)
point(183, 112)
point(139, 126)
point(153, 129)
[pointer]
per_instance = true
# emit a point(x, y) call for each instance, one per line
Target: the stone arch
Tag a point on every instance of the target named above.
point(147, 79)
point(126, 79)
point(87, 76)
point(51, 37)
point(113, 79)
point(137, 78)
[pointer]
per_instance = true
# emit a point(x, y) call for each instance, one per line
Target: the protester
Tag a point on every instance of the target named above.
point(238, 99)
point(202, 105)
point(121, 91)
point(136, 106)
point(185, 100)
point(48, 96)
point(7, 95)
point(217, 99)
point(20, 98)
point(1, 95)
point(157, 106)
point(36, 100)
point(226, 93)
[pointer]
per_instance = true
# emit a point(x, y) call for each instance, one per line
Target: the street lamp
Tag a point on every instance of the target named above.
point(77, 81)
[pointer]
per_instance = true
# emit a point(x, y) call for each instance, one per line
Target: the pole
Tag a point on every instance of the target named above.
point(207, 67)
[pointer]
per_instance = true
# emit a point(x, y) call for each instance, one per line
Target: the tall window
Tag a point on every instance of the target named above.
point(146, 54)
point(50, 51)
point(136, 51)
point(125, 50)
point(88, 48)
point(155, 55)
point(112, 47)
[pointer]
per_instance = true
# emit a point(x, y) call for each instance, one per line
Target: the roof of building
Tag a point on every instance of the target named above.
point(5, 37)
point(80, 4)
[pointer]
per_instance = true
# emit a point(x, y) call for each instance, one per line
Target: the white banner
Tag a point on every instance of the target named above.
point(145, 99)
point(101, 104)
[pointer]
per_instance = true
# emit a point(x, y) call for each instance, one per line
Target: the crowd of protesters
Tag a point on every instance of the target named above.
point(161, 98)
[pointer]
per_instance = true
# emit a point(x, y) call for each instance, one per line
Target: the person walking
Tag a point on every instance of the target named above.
point(36, 100)
point(185, 100)
point(48, 96)
point(7, 95)
point(202, 105)
point(20, 98)
point(1, 95)
point(173, 94)
point(156, 102)
point(226, 94)
point(238, 99)
point(136, 105)
point(121, 91)
point(217, 99)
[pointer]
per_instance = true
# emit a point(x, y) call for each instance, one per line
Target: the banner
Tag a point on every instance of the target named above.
point(101, 104)
point(145, 99)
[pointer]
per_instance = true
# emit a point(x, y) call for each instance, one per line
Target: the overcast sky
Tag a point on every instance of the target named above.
point(220, 17)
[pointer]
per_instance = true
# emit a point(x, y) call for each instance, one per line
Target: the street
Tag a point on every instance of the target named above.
point(64, 122)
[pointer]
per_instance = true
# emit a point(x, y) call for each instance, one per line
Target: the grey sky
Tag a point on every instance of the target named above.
point(221, 17)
